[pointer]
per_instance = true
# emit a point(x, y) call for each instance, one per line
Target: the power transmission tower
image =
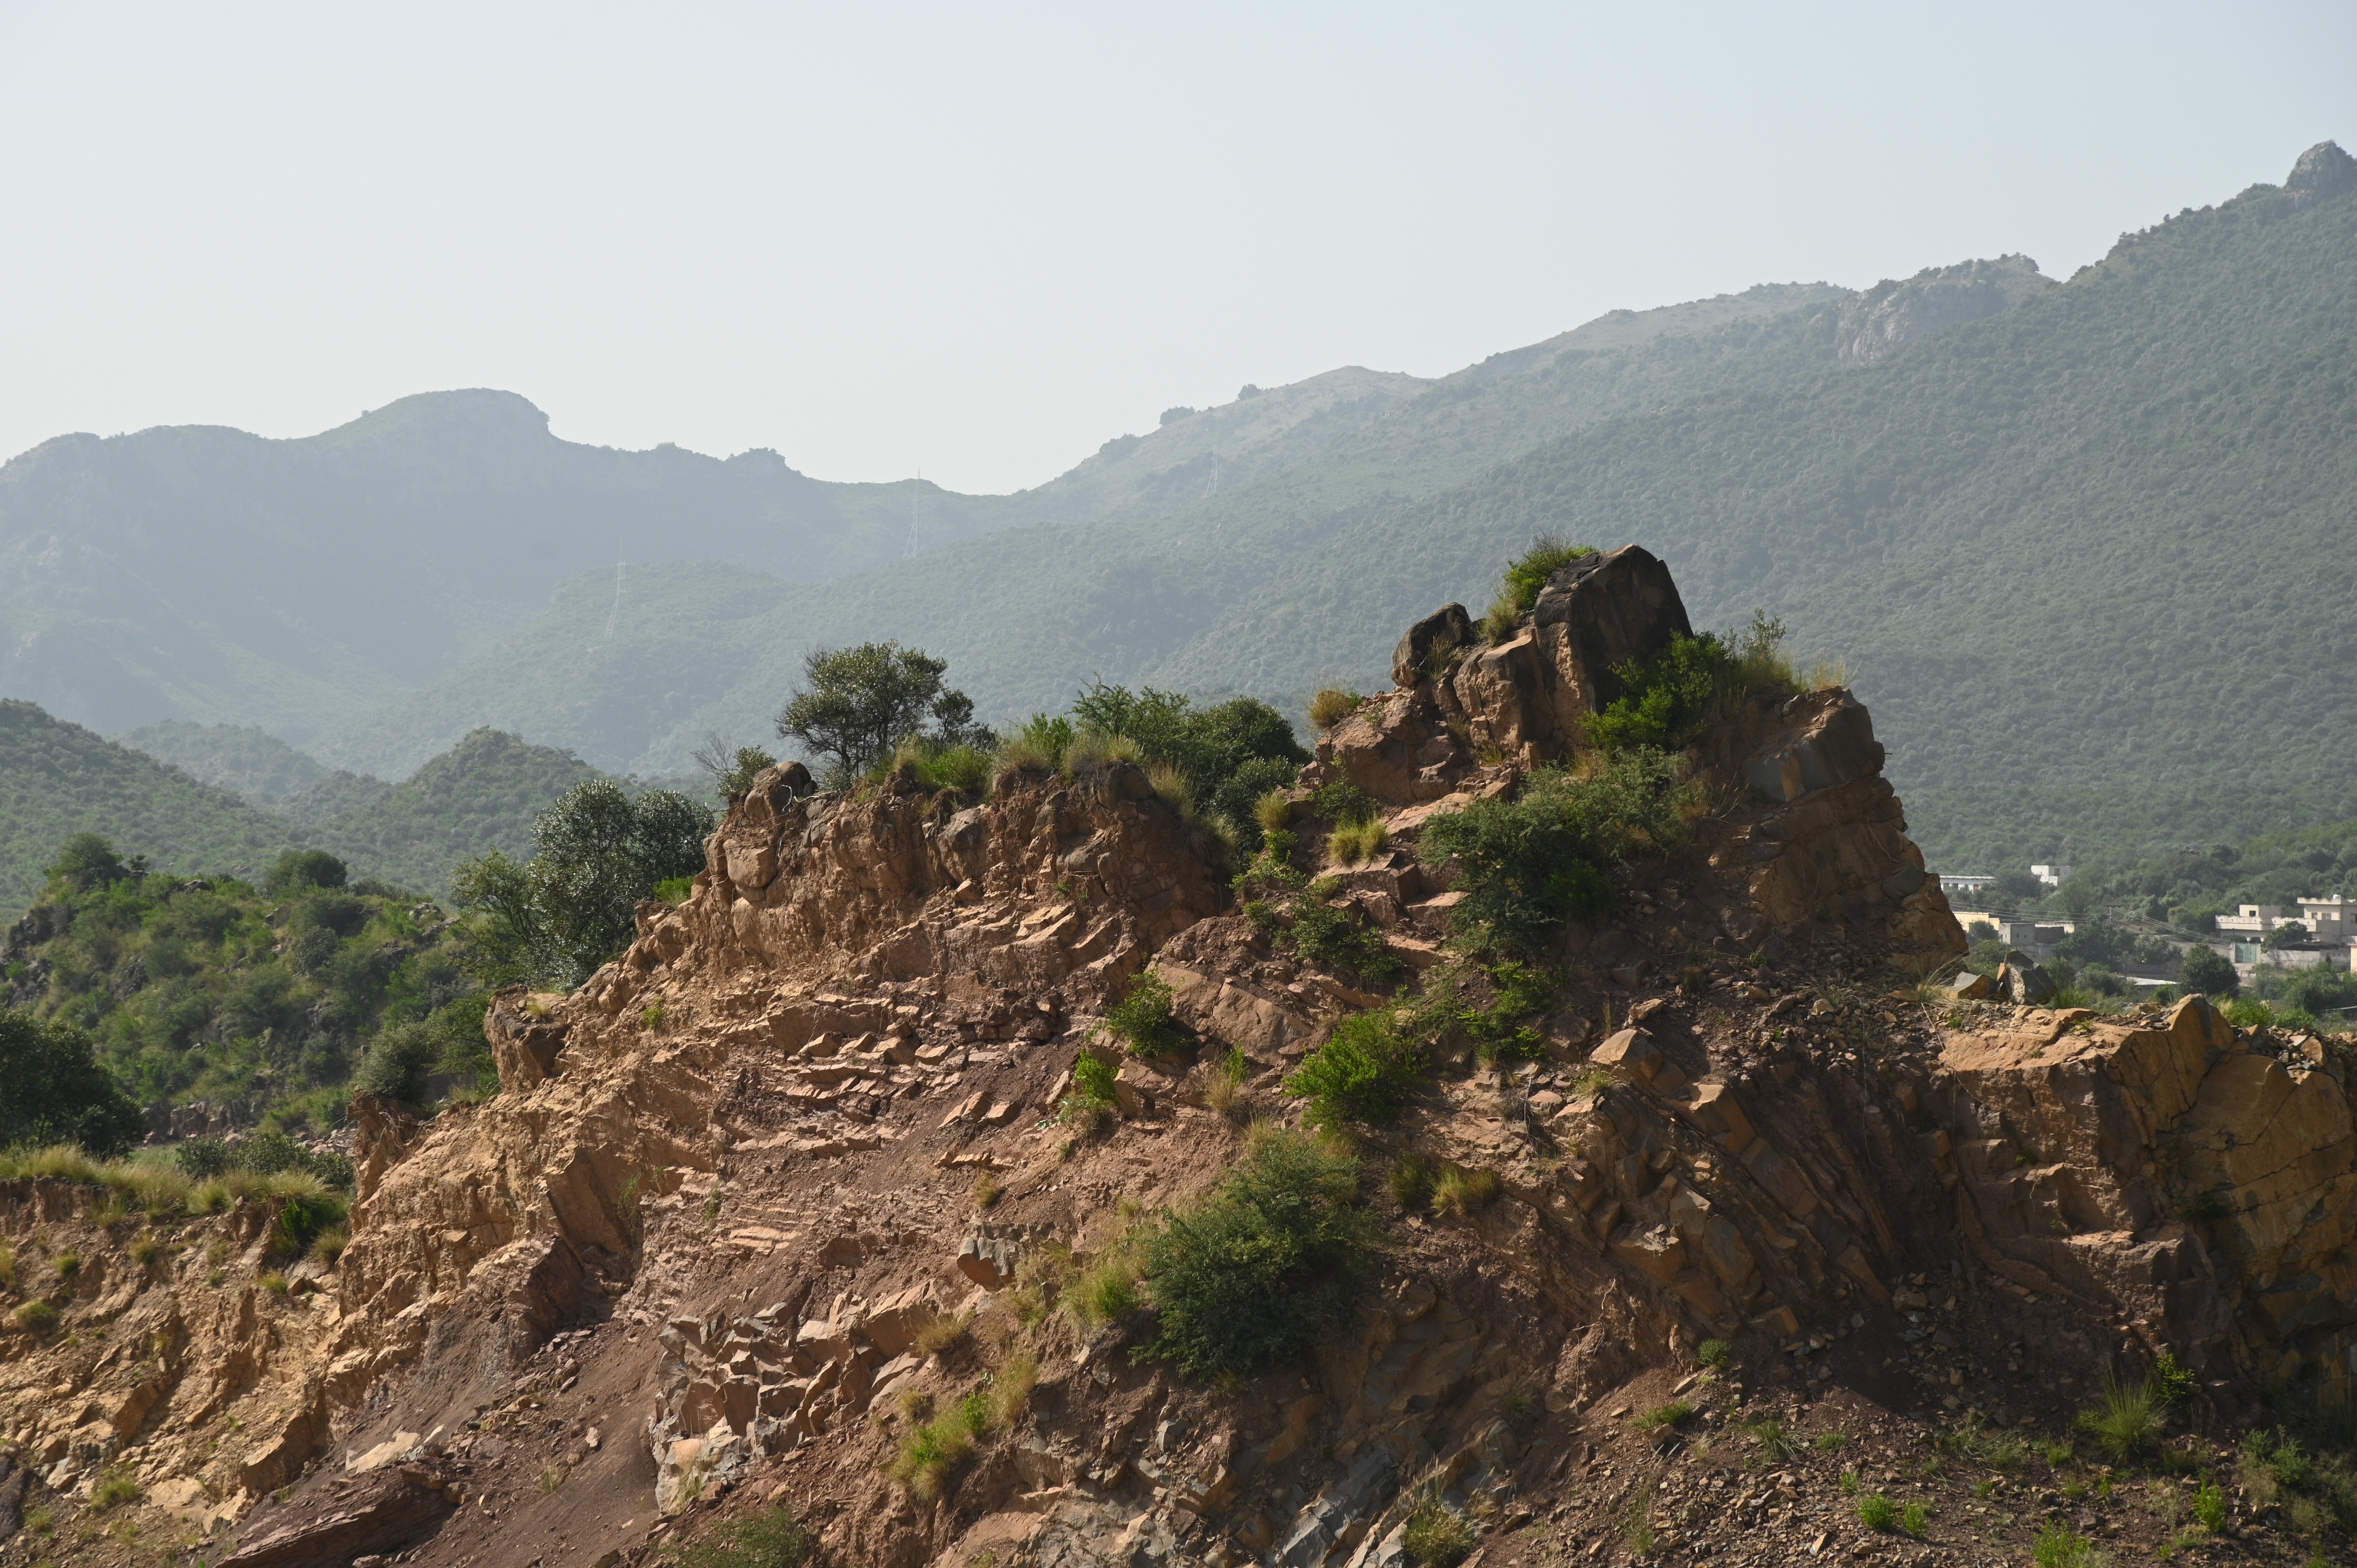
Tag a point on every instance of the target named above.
point(916, 492)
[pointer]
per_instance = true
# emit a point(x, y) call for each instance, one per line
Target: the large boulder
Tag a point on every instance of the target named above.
point(1427, 643)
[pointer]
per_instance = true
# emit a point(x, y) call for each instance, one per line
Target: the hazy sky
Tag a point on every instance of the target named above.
point(982, 240)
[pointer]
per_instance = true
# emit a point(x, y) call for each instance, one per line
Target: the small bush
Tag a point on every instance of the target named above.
point(1530, 865)
point(1434, 1534)
point(1460, 1191)
point(1526, 574)
point(1146, 1018)
point(1256, 1271)
point(1351, 845)
point(302, 1218)
point(144, 1248)
point(1716, 1354)
point(273, 1282)
point(1670, 699)
point(1089, 1104)
point(1095, 749)
point(772, 1539)
point(1343, 803)
point(7, 1266)
point(1037, 747)
point(2210, 1506)
point(1366, 1072)
point(35, 1317)
point(1330, 707)
point(1106, 1289)
point(1662, 1418)
point(674, 891)
point(1273, 811)
point(1877, 1512)
point(1339, 937)
point(2170, 1382)
point(985, 1190)
point(66, 1265)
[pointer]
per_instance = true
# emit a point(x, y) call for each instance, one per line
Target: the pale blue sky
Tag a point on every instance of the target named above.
point(982, 240)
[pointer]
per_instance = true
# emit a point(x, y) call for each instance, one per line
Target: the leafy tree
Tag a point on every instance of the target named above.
point(299, 868)
point(2208, 971)
point(862, 703)
point(2291, 933)
point(58, 1092)
point(2018, 887)
point(88, 862)
point(733, 771)
point(571, 907)
point(1229, 754)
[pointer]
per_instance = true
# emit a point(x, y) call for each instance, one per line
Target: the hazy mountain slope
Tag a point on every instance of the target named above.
point(246, 760)
point(200, 573)
point(2084, 558)
point(59, 779)
point(1032, 612)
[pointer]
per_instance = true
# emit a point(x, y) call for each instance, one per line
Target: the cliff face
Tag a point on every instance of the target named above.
point(788, 1172)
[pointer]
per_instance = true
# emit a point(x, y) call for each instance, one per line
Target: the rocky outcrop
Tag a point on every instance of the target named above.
point(1894, 312)
point(2321, 173)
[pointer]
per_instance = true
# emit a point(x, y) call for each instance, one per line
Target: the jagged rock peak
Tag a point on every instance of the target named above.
point(2323, 172)
point(1898, 311)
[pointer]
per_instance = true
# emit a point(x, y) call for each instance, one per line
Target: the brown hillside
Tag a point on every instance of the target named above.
point(790, 1173)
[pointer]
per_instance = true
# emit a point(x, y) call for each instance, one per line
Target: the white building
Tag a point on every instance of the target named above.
point(1968, 882)
point(2051, 875)
point(2332, 920)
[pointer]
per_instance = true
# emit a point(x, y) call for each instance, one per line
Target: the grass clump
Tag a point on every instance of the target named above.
point(1356, 843)
point(1435, 1535)
point(2210, 1506)
point(1366, 1072)
point(2059, 1546)
point(2127, 1422)
point(1776, 1445)
point(1254, 1272)
point(34, 1318)
point(7, 1266)
point(1146, 1019)
point(771, 1539)
point(1411, 1181)
point(114, 1490)
point(1530, 865)
point(144, 1248)
point(1460, 1191)
point(66, 1265)
point(943, 1334)
point(1330, 707)
point(329, 1245)
point(1877, 1513)
point(1666, 1417)
point(1525, 575)
point(1273, 811)
point(985, 1190)
point(1223, 1094)
point(932, 1454)
point(550, 1477)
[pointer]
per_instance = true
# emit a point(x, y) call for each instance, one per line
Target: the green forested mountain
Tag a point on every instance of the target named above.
point(2077, 546)
point(58, 779)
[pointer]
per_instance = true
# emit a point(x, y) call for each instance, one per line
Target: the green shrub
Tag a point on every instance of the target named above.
point(1915, 1518)
point(1668, 700)
point(675, 890)
point(302, 1219)
point(2170, 1382)
point(1146, 1018)
point(35, 1317)
point(300, 868)
point(1519, 990)
point(1715, 1354)
point(2210, 973)
point(1037, 747)
point(1526, 574)
point(1257, 1271)
point(1272, 811)
point(66, 1265)
point(771, 1539)
point(932, 1452)
point(1340, 937)
point(1877, 1512)
point(114, 1490)
point(1090, 1101)
point(1343, 803)
point(1529, 865)
point(2210, 1506)
point(1366, 1072)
